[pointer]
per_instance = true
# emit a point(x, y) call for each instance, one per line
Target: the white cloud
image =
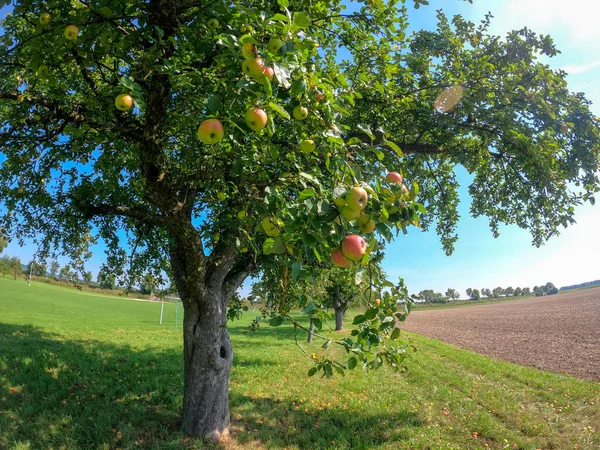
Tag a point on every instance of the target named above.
point(577, 69)
point(576, 19)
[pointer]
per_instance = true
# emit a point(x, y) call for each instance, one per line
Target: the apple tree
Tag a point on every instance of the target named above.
point(204, 139)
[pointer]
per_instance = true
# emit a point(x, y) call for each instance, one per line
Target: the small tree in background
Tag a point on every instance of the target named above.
point(88, 277)
point(518, 292)
point(550, 289)
point(526, 291)
point(509, 291)
point(4, 265)
point(54, 268)
point(452, 294)
point(497, 292)
point(475, 295)
point(15, 266)
point(469, 292)
point(486, 292)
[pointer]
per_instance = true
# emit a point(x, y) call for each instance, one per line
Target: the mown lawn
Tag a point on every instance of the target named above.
point(87, 372)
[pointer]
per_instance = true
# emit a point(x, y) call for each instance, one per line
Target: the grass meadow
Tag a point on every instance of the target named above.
point(79, 371)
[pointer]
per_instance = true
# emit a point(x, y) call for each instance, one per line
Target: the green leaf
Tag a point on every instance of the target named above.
point(308, 309)
point(312, 371)
point(301, 20)
point(296, 269)
point(352, 363)
point(280, 18)
point(318, 324)
point(395, 334)
point(278, 109)
point(213, 104)
point(309, 177)
point(276, 321)
point(365, 129)
point(358, 320)
point(394, 147)
point(370, 314)
point(299, 87)
point(326, 344)
point(307, 193)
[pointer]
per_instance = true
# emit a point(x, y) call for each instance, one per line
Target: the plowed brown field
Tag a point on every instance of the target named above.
point(560, 333)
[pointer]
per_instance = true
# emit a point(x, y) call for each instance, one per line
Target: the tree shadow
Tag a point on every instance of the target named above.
point(283, 423)
point(56, 393)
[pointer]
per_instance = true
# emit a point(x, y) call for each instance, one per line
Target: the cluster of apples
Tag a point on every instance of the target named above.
point(71, 32)
point(211, 130)
point(354, 247)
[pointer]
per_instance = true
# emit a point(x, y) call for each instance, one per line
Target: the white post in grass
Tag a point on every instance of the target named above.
point(162, 307)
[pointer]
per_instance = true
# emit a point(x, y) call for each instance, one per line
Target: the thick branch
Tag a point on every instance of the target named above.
point(137, 213)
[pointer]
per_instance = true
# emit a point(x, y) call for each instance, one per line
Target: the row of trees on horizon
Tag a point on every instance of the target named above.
point(429, 296)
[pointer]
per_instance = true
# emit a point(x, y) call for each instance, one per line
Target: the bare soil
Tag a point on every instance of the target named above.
point(559, 333)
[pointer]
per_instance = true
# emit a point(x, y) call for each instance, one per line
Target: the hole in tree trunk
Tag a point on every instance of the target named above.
point(223, 352)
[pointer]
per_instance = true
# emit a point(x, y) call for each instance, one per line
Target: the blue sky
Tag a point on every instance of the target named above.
point(480, 260)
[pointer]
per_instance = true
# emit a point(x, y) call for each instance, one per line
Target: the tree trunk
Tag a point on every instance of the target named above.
point(208, 358)
point(207, 350)
point(311, 330)
point(340, 308)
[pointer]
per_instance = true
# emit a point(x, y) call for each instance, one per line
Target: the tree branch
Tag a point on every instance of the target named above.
point(136, 212)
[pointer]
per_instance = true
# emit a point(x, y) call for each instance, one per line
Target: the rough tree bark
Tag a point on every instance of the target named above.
point(340, 308)
point(311, 330)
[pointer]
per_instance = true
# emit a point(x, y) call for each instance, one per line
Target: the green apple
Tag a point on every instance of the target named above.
point(256, 119)
point(249, 50)
point(221, 196)
point(45, 19)
point(339, 202)
point(357, 198)
point(210, 131)
point(42, 70)
point(253, 67)
point(242, 214)
point(300, 112)
point(307, 145)
point(212, 24)
point(124, 102)
point(270, 228)
point(366, 223)
point(71, 32)
point(350, 214)
point(274, 45)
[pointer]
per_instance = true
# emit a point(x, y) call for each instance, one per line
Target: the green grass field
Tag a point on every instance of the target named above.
point(85, 372)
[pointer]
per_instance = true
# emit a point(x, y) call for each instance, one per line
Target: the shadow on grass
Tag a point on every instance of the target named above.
point(88, 394)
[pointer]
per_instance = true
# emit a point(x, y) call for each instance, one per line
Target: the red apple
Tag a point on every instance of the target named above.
point(394, 178)
point(338, 258)
point(357, 198)
point(256, 119)
point(354, 247)
point(211, 131)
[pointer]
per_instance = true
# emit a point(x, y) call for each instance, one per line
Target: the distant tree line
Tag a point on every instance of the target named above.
point(429, 296)
point(581, 285)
